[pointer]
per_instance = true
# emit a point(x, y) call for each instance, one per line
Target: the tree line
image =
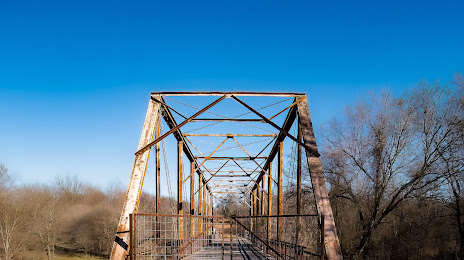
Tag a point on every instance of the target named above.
point(66, 216)
point(394, 168)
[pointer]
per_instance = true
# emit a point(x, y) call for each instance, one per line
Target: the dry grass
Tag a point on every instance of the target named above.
point(77, 257)
point(37, 255)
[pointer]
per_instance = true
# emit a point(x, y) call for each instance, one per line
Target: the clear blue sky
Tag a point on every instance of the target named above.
point(75, 75)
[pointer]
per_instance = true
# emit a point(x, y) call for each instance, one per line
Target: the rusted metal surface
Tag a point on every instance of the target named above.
point(205, 244)
point(281, 130)
point(246, 179)
point(283, 110)
point(232, 135)
point(277, 216)
point(180, 184)
point(204, 206)
point(131, 236)
point(298, 183)
point(252, 212)
point(332, 245)
point(286, 126)
point(279, 190)
point(269, 201)
point(263, 187)
point(235, 158)
point(158, 173)
point(322, 238)
point(217, 93)
point(257, 208)
point(200, 201)
point(280, 249)
point(192, 197)
point(211, 199)
point(177, 216)
point(147, 146)
point(257, 237)
point(227, 120)
point(136, 180)
point(171, 122)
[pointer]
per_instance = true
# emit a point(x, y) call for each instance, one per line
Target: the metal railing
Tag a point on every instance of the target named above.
point(281, 236)
point(162, 236)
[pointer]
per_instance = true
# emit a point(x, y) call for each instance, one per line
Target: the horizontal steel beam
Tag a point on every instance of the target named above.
point(171, 122)
point(148, 146)
point(289, 120)
point(277, 216)
point(251, 171)
point(179, 216)
point(235, 158)
point(233, 135)
point(227, 120)
point(215, 93)
point(232, 176)
point(281, 130)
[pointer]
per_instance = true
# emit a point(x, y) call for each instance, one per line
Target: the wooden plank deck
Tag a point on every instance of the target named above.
point(241, 249)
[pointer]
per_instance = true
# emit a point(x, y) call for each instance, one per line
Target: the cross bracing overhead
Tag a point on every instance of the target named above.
point(230, 140)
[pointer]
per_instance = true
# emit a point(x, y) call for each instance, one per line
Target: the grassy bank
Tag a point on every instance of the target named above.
point(37, 255)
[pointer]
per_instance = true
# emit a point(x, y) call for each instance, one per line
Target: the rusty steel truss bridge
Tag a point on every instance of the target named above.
point(235, 153)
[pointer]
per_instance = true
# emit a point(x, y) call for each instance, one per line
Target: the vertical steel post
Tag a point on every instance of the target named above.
point(324, 209)
point(180, 180)
point(134, 190)
point(255, 210)
point(134, 243)
point(322, 239)
point(258, 208)
point(263, 182)
point(131, 237)
point(212, 203)
point(251, 211)
point(279, 190)
point(211, 210)
point(222, 236)
point(200, 202)
point(192, 199)
point(298, 184)
point(158, 181)
point(261, 209)
point(204, 208)
point(211, 213)
point(258, 193)
point(158, 173)
point(208, 205)
point(231, 239)
point(269, 200)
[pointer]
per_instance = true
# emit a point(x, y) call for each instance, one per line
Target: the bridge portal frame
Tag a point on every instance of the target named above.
point(305, 140)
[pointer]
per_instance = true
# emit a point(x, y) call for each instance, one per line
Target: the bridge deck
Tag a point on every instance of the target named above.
point(241, 249)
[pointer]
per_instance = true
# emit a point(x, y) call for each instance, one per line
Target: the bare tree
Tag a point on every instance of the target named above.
point(12, 224)
point(70, 188)
point(459, 79)
point(10, 218)
point(453, 162)
point(44, 213)
point(386, 151)
point(5, 179)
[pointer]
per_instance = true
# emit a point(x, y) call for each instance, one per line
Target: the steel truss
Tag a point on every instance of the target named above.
point(242, 181)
